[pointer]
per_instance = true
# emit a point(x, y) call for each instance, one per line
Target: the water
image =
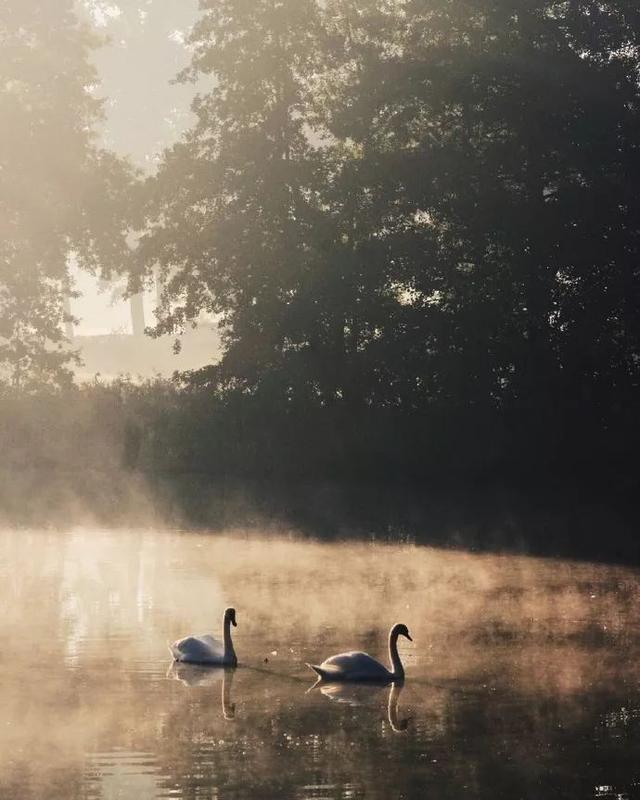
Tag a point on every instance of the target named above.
point(522, 680)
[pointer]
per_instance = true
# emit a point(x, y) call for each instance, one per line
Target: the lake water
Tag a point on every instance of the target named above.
point(522, 679)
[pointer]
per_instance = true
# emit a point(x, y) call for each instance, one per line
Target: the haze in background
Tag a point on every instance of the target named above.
point(145, 112)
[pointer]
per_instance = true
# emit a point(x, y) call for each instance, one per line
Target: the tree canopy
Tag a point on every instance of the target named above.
point(419, 206)
point(416, 221)
point(59, 193)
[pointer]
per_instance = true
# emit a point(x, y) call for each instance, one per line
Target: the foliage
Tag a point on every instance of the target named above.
point(414, 208)
point(416, 221)
point(499, 146)
point(234, 212)
point(58, 192)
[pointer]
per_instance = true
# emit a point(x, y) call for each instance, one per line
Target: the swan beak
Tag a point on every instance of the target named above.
point(409, 638)
point(234, 623)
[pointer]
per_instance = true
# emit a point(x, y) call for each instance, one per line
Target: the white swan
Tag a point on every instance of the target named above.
point(207, 650)
point(356, 666)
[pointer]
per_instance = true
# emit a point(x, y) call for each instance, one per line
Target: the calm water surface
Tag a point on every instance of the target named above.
point(523, 680)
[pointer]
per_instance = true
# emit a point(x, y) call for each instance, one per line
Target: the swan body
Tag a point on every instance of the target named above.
point(206, 649)
point(358, 666)
point(198, 650)
point(352, 666)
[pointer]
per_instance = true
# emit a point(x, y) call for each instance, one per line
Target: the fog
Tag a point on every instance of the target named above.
point(145, 111)
point(90, 704)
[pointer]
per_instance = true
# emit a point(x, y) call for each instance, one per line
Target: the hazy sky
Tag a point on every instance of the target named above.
point(99, 312)
point(145, 112)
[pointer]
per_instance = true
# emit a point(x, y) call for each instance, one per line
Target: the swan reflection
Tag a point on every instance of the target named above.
point(194, 675)
point(354, 694)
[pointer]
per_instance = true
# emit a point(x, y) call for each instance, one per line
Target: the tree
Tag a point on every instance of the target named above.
point(417, 212)
point(59, 193)
point(235, 214)
point(498, 143)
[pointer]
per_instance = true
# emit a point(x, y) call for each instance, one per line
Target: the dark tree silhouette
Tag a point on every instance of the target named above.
point(420, 215)
point(234, 207)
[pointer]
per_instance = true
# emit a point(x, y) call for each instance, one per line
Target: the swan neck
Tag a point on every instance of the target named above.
point(229, 652)
point(397, 670)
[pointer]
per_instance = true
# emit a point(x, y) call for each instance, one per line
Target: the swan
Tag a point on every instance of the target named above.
point(356, 666)
point(207, 650)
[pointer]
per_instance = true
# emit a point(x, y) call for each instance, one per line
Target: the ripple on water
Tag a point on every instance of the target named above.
point(122, 775)
point(123, 650)
point(523, 675)
point(317, 791)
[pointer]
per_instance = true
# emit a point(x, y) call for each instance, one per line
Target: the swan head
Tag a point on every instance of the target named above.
point(230, 614)
point(399, 629)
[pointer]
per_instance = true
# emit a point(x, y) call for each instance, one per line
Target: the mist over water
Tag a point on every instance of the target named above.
point(522, 679)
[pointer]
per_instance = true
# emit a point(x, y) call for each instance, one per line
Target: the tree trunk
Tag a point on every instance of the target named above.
point(137, 314)
point(68, 322)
